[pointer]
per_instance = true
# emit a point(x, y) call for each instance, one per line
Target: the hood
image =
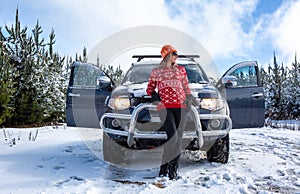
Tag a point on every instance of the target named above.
point(139, 90)
point(203, 90)
point(135, 90)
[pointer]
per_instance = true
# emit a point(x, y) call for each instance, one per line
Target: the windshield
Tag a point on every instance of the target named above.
point(140, 73)
point(195, 74)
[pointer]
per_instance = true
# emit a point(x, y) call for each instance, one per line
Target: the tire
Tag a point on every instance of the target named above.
point(112, 151)
point(219, 152)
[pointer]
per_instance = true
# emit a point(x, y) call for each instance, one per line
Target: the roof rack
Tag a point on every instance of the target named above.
point(140, 57)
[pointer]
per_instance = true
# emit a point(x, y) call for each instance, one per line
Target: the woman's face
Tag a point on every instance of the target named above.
point(174, 57)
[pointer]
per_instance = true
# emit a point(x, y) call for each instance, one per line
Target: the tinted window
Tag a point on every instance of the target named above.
point(86, 75)
point(245, 76)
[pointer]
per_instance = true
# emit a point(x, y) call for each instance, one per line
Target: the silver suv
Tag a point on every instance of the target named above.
point(128, 117)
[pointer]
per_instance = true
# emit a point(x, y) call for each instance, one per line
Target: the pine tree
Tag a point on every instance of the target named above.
point(273, 90)
point(116, 74)
point(21, 51)
point(38, 77)
point(84, 53)
point(6, 83)
point(285, 95)
point(292, 91)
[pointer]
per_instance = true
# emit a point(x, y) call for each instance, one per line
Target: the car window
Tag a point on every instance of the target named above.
point(140, 74)
point(195, 74)
point(245, 76)
point(87, 75)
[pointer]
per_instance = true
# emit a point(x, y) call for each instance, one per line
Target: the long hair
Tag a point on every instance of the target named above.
point(166, 62)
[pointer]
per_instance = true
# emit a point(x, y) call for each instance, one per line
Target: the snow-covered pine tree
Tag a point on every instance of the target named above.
point(38, 76)
point(115, 73)
point(84, 53)
point(268, 92)
point(292, 91)
point(55, 87)
point(39, 67)
point(6, 83)
point(21, 52)
point(286, 85)
point(273, 90)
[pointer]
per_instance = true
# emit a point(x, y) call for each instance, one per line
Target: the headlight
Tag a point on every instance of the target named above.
point(212, 104)
point(119, 103)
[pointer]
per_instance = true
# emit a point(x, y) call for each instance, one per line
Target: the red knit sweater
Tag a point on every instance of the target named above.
point(172, 86)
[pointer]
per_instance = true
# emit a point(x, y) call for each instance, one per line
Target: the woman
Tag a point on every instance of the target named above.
point(175, 98)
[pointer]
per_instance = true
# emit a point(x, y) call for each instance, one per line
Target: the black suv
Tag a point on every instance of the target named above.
point(130, 121)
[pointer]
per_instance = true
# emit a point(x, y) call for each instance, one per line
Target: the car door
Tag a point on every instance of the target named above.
point(245, 96)
point(86, 94)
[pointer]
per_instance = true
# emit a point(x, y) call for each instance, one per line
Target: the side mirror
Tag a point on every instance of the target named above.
point(229, 81)
point(104, 82)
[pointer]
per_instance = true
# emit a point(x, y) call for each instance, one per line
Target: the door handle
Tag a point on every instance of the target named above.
point(74, 95)
point(257, 95)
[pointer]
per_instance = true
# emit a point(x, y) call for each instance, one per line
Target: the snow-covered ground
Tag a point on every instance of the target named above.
point(287, 124)
point(68, 160)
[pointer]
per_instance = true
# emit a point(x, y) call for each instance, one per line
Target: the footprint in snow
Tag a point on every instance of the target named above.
point(71, 178)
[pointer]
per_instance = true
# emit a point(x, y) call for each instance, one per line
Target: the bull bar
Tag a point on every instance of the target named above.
point(131, 132)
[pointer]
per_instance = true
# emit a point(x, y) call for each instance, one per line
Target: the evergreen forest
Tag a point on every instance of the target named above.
point(33, 77)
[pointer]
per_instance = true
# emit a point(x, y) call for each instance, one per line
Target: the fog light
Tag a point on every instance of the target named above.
point(115, 123)
point(214, 123)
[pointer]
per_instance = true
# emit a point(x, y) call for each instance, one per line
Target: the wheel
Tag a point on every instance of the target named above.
point(219, 152)
point(112, 151)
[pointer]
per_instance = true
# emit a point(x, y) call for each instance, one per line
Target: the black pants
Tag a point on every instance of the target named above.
point(174, 124)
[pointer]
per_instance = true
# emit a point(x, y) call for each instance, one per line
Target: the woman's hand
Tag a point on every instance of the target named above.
point(155, 97)
point(188, 101)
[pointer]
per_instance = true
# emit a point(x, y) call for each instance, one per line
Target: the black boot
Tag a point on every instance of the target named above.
point(163, 171)
point(173, 167)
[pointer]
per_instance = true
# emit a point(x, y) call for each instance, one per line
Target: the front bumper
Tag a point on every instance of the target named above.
point(132, 133)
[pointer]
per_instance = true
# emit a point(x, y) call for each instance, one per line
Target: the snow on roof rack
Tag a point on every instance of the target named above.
point(140, 57)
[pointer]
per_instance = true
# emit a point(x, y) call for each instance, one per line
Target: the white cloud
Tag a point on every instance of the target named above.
point(220, 27)
point(217, 24)
point(285, 32)
point(89, 22)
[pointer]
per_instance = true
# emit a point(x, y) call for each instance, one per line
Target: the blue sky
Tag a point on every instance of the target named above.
point(232, 30)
